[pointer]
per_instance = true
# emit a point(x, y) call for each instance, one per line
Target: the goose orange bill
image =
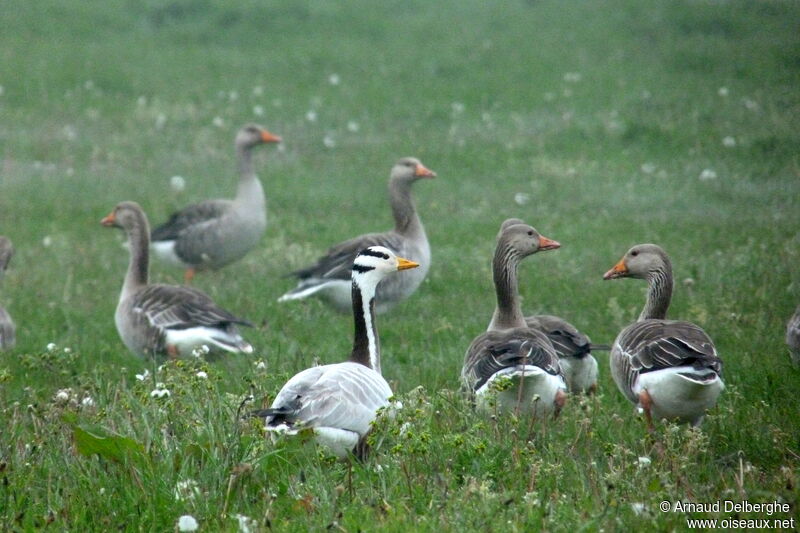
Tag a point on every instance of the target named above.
point(405, 264)
point(109, 220)
point(421, 170)
point(617, 271)
point(548, 244)
point(268, 137)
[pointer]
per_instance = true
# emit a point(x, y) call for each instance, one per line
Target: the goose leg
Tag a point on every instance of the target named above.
point(647, 403)
point(592, 390)
point(561, 399)
point(172, 351)
point(188, 276)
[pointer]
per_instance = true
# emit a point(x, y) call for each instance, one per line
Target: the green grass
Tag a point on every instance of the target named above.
point(605, 114)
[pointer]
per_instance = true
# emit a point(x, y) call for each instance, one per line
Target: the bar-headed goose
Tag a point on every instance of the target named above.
point(573, 347)
point(157, 320)
point(7, 327)
point(214, 233)
point(511, 364)
point(340, 401)
point(329, 277)
point(793, 336)
point(669, 368)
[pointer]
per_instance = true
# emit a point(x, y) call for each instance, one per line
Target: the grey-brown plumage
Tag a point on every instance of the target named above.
point(215, 233)
point(669, 367)
point(509, 349)
point(329, 277)
point(7, 327)
point(793, 336)
point(158, 320)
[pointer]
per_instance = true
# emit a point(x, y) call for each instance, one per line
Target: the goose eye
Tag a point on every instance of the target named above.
point(530, 232)
point(635, 253)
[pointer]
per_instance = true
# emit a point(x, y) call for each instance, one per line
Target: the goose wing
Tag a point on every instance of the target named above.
point(338, 260)
point(344, 395)
point(495, 350)
point(190, 216)
point(171, 307)
point(566, 338)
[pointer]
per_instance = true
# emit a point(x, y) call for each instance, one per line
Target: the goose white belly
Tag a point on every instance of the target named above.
point(680, 393)
point(581, 373)
point(187, 340)
point(165, 251)
point(537, 395)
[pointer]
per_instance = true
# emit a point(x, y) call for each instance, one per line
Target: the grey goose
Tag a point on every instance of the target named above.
point(339, 401)
point(793, 336)
point(669, 368)
point(165, 320)
point(329, 277)
point(7, 327)
point(511, 366)
point(215, 233)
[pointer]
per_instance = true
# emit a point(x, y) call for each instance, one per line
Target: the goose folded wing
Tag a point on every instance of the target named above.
point(170, 307)
point(665, 344)
point(190, 216)
point(489, 354)
point(566, 339)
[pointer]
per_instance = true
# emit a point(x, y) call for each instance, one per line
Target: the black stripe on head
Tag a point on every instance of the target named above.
point(362, 268)
point(373, 253)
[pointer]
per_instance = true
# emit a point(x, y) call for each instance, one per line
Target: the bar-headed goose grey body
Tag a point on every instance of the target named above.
point(7, 327)
point(329, 277)
point(158, 320)
point(669, 368)
point(793, 336)
point(214, 233)
point(340, 401)
point(511, 364)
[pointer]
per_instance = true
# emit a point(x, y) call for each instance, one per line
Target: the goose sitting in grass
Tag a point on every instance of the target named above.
point(165, 320)
point(329, 277)
point(793, 336)
point(669, 368)
point(7, 327)
point(340, 401)
point(573, 347)
point(512, 365)
point(214, 233)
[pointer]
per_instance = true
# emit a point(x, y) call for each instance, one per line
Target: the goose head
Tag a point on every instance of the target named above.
point(523, 240)
point(126, 215)
point(641, 262)
point(252, 135)
point(373, 264)
point(410, 169)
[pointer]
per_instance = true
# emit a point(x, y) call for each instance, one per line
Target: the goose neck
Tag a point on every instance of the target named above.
point(508, 313)
point(366, 346)
point(139, 243)
point(659, 293)
point(406, 220)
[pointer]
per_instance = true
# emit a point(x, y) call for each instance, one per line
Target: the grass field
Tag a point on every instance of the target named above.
point(602, 124)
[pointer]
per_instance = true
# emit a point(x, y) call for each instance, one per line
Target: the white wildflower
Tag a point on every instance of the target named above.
point(729, 142)
point(161, 120)
point(258, 90)
point(258, 110)
point(329, 141)
point(141, 101)
point(334, 79)
point(47, 241)
point(708, 174)
point(723, 91)
point(202, 375)
point(187, 523)
point(143, 376)
point(233, 96)
point(246, 524)
point(160, 391)
point(62, 396)
point(572, 77)
point(70, 133)
point(648, 168)
point(186, 490)
point(549, 96)
point(88, 85)
point(177, 183)
point(218, 122)
point(67, 350)
point(87, 401)
point(51, 346)
point(2, 90)
point(353, 126)
point(457, 108)
point(638, 508)
point(522, 198)
point(750, 104)
point(644, 461)
point(311, 115)
point(261, 365)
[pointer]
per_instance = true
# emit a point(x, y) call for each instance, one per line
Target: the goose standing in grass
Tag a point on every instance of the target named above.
point(158, 320)
point(329, 277)
point(340, 401)
point(793, 336)
point(669, 368)
point(214, 233)
point(7, 327)
point(513, 364)
point(574, 348)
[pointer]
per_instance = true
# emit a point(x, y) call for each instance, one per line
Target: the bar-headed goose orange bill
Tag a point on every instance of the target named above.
point(573, 347)
point(340, 401)
point(7, 327)
point(793, 336)
point(329, 277)
point(214, 233)
point(511, 365)
point(165, 320)
point(669, 368)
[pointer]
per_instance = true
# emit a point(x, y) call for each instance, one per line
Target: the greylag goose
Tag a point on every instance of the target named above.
point(158, 320)
point(574, 348)
point(511, 363)
point(340, 401)
point(669, 368)
point(214, 233)
point(329, 277)
point(793, 336)
point(7, 327)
